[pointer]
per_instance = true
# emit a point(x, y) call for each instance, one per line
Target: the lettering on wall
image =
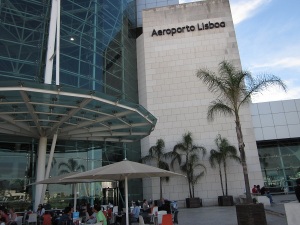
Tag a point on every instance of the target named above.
point(199, 26)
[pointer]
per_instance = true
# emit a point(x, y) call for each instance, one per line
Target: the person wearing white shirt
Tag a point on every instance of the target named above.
point(40, 211)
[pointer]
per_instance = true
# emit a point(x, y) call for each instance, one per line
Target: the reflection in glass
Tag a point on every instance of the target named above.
point(280, 164)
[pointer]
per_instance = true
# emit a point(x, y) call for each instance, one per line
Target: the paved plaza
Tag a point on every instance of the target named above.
point(226, 215)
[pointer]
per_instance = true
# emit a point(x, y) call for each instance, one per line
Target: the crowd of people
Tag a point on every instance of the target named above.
point(262, 191)
point(87, 214)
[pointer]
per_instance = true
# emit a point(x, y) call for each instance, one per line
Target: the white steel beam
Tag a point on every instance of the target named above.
point(49, 166)
point(104, 128)
point(70, 114)
point(12, 121)
point(58, 43)
point(102, 119)
point(32, 113)
point(51, 42)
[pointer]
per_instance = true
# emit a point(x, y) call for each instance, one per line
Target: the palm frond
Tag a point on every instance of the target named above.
point(235, 158)
point(215, 158)
point(81, 168)
point(63, 164)
point(261, 83)
point(198, 177)
point(218, 107)
point(213, 82)
point(163, 165)
point(147, 158)
point(63, 172)
point(176, 157)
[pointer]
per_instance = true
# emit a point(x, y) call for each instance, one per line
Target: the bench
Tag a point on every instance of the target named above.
point(262, 199)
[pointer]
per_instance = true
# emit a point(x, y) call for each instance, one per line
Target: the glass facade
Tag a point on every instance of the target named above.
point(280, 164)
point(97, 53)
point(18, 165)
point(97, 44)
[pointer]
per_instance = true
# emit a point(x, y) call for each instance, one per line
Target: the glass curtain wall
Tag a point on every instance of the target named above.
point(280, 164)
point(97, 44)
point(18, 170)
point(98, 53)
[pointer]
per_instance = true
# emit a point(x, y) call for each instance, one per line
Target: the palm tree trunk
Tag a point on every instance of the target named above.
point(193, 190)
point(243, 158)
point(221, 179)
point(225, 175)
point(160, 187)
point(190, 188)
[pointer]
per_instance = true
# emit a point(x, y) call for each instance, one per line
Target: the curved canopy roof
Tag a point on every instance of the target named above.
point(35, 110)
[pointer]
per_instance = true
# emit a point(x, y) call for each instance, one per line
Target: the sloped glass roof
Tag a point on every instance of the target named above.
point(35, 110)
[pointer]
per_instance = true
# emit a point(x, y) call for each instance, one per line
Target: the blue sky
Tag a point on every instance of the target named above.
point(268, 36)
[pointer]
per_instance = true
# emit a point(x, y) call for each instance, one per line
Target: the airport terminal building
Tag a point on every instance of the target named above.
point(116, 77)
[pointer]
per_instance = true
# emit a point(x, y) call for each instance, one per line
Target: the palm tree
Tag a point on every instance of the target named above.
point(157, 154)
point(52, 163)
point(234, 88)
point(71, 166)
point(218, 157)
point(187, 156)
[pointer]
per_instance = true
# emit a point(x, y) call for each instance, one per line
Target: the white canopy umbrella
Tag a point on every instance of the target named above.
point(62, 179)
point(123, 170)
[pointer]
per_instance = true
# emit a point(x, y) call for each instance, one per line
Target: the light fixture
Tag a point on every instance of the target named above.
point(72, 39)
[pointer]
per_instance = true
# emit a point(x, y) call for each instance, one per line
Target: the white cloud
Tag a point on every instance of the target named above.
point(241, 9)
point(288, 62)
point(244, 9)
point(274, 94)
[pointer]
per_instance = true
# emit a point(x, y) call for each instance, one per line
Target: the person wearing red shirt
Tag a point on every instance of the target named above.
point(3, 213)
point(254, 189)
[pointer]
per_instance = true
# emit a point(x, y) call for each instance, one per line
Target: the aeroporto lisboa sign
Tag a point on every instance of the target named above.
point(199, 26)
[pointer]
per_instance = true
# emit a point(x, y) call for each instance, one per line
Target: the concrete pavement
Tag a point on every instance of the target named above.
point(226, 215)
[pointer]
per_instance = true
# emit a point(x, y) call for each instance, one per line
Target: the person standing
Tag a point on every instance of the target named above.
point(12, 217)
point(146, 207)
point(40, 212)
point(135, 212)
point(3, 214)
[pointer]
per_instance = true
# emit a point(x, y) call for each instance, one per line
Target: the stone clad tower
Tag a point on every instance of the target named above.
point(176, 41)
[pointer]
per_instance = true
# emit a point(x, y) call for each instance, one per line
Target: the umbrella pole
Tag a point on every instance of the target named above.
point(126, 200)
point(75, 197)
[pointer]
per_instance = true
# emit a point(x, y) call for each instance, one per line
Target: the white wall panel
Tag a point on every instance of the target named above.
point(292, 117)
point(282, 131)
point(264, 108)
point(279, 119)
point(289, 106)
point(266, 120)
point(269, 133)
point(285, 117)
point(276, 107)
point(294, 130)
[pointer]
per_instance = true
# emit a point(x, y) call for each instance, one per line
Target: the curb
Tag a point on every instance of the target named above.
point(275, 213)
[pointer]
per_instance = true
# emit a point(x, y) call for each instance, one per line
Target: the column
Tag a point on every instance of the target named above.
point(40, 170)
